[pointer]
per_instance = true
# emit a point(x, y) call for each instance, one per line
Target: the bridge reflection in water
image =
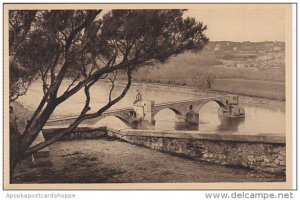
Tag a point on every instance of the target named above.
point(165, 121)
point(230, 124)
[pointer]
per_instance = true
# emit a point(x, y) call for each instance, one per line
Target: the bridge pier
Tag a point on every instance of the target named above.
point(148, 125)
point(192, 117)
point(179, 118)
point(189, 118)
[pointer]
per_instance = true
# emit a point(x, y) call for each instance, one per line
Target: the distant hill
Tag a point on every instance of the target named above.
point(268, 54)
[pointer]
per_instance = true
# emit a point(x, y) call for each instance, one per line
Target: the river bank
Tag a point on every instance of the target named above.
point(190, 70)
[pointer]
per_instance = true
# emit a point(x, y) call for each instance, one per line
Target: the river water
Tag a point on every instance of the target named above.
point(259, 119)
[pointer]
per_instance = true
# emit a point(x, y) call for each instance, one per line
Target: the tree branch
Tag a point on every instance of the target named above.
point(77, 121)
point(112, 80)
point(114, 101)
point(92, 15)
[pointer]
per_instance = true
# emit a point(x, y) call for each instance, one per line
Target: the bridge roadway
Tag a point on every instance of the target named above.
point(127, 114)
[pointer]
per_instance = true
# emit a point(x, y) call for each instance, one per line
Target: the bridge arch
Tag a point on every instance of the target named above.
point(219, 102)
point(118, 118)
point(167, 117)
point(124, 120)
point(177, 112)
point(126, 117)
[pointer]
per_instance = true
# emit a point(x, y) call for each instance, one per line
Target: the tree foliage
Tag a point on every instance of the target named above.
point(80, 45)
point(20, 77)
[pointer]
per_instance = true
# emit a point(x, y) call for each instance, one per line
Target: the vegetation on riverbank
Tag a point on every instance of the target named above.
point(200, 72)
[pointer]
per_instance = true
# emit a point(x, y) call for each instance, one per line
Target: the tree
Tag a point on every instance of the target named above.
point(20, 78)
point(86, 48)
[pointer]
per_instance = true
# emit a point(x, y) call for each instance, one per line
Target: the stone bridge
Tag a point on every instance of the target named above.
point(143, 111)
point(124, 114)
point(188, 110)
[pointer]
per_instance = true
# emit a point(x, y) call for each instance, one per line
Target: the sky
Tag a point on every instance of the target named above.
point(248, 23)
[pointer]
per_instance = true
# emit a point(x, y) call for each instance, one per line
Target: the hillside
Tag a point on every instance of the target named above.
point(226, 67)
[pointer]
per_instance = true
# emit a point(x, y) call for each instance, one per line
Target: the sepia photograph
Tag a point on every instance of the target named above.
point(147, 96)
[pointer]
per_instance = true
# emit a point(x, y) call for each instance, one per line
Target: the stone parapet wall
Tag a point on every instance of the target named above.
point(79, 133)
point(259, 152)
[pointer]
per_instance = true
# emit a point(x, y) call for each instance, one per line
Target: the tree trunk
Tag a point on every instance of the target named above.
point(20, 143)
point(14, 159)
point(37, 125)
point(14, 149)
